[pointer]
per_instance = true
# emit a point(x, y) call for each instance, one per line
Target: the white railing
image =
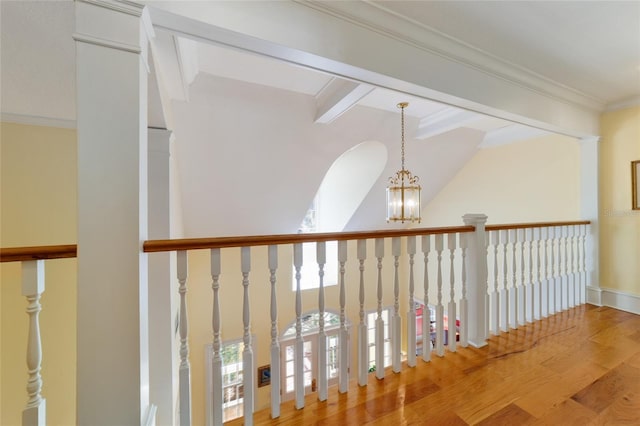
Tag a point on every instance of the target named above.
point(491, 279)
point(536, 270)
point(522, 287)
point(33, 279)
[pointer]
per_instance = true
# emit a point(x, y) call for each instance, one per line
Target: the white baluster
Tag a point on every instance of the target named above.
point(495, 295)
point(247, 353)
point(583, 267)
point(426, 311)
point(504, 294)
point(531, 292)
point(35, 412)
point(565, 271)
point(298, 358)
point(321, 257)
point(557, 273)
point(451, 314)
point(379, 321)
point(439, 308)
point(363, 339)
point(513, 291)
point(185, 369)
point(396, 322)
point(343, 342)
point(522, 291)
point(547, 274)
point(552, 271)
point(572, 267)
point(216, 390)
point(464, 303)
point(537, 235)
point(275, 345)
point(411, 314)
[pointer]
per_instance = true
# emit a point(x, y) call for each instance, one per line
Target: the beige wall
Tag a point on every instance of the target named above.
point(38, 207)
point(619, 225)
point(530, 181)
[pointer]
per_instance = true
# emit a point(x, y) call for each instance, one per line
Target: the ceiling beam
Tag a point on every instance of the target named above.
point(510, 134)
point(445, 120)
point(337, 97)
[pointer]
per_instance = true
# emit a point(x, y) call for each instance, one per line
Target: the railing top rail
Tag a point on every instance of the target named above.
point(19, 254)
point(501, 227)
point(261, 240)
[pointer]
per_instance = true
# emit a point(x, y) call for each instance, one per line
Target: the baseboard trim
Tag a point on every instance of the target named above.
point(614, 299)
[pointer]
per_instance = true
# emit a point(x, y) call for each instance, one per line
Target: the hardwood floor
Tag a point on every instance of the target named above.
point(577, 367)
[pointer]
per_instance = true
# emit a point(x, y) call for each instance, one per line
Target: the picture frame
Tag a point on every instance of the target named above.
point(635, 185)
point(264, 375)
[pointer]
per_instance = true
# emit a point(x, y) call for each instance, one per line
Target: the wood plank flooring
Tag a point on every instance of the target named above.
point(577, 367)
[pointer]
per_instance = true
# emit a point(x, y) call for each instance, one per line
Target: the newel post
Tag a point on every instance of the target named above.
point(477, 280)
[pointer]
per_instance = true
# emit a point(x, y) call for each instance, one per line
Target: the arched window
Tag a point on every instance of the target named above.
point(344, 187)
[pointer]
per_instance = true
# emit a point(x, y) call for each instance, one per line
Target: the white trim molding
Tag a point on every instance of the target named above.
point(34, 120)
point(625, 103)
point(602, 296)
point(620, 300)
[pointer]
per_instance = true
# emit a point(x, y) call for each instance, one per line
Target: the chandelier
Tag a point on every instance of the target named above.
point(403, 192)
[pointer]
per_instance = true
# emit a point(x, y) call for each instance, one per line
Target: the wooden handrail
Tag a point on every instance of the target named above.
point(18, 254)
point(261, 240)
point(534, 225)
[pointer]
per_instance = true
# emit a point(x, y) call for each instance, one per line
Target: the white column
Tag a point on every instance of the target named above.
point(275, 345)
point(163, 308)
point(589, 211)
point(411, 314)
point(343, 344)
point(379, 247)
point(111, 89)
point(247, 353)
point(321, 257)
point(477, 280)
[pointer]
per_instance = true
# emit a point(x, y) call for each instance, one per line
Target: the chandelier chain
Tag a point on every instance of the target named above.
point(402, 121)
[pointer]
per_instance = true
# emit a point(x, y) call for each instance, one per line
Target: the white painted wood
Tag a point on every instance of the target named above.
point(552, 271)
point(185, 369)
point(565, 268)
point(495, 294)
point(477, 285)
point(583, 268)
point(504, 294)
point(464, 309)
point(217, 385)
point(163, 292)
point(338, 97)
point(451, 314)
point(522, 291)
point(247, 354)
point(426, 311)
point(275, 344)
point(572, 267)
point(379, 251)
point(343, 343)
point(298, 363)
point(363, 339)
point(546, 272)
point(321, 258)
point(411, 313)
point(111, 105)
point(557, 273)
point(439, 308)
point(531, 287)
point(514, 290)
point(35, 412)
point(396, 322)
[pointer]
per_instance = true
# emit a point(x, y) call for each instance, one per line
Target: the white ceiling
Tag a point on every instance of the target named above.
point(591, 49)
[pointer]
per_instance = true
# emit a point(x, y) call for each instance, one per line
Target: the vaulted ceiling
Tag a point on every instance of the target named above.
point(282, 125)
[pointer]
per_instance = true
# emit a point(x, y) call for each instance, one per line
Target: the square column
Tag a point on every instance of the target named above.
point(111, 82)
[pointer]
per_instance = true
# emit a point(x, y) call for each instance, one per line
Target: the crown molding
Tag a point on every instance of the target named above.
point(625, 103)
point(510, 134)
point(34, 120)
point(123, 6)
point(377, 18)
